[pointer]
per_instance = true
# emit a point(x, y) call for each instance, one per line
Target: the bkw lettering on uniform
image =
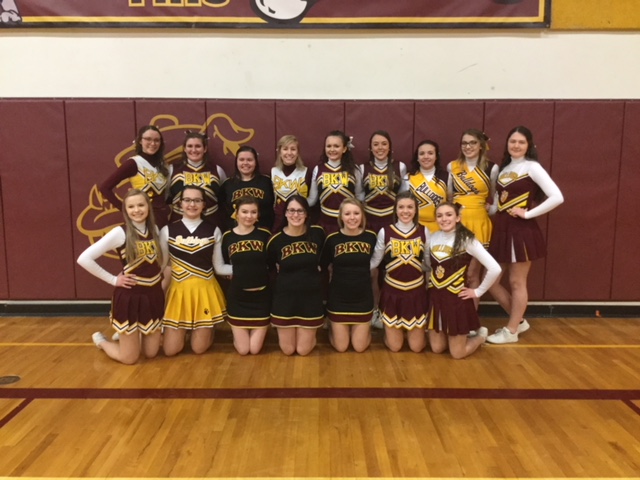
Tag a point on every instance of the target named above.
point(297, 248)
point(352, 247)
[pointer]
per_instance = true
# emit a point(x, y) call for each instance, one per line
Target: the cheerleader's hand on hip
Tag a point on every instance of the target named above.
point(126, 280)
point(517, 212)
point(467, 293)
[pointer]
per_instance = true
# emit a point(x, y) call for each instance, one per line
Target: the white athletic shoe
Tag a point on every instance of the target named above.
point(376, 320)
point(523, 326)
point(472, 333)
point(115, 337)
point(482, 332)
point(98, 338)
point(503, 336)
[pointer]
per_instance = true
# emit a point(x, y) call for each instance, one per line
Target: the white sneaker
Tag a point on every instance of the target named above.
point(115, 337)
point(503, 336)
point(483, 332)
point(98, 338)
point(376, 320)
point(472, 333)
point(523, 326)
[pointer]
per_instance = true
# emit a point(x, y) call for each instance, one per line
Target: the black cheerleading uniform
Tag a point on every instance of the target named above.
point(350, 294)
point(249, 294)
point(297, 297)
point(206, 176)
point(259, 187)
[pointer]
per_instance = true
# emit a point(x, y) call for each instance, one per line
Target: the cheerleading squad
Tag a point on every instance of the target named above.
point(411, 250)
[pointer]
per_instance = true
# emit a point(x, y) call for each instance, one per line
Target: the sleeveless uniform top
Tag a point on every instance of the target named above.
point(206, 176)
point(145, 266)
point(379, 197)
point(334, 185)
point(284, 186)
point(403, 257)
point(191, 252)
point(430, 194)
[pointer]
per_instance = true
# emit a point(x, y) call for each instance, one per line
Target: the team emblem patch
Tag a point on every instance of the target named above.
point(503, 196)
point(439, 272)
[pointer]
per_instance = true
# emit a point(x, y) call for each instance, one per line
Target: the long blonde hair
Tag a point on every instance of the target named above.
point(131, 232)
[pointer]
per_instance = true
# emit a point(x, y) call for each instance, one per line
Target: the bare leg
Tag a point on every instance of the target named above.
point(518, 274)
point(257, 336)
point(361, 336)
point(305, 341)
point(438, 341)
point(287, 340)
point(126, 351)
point(339, 336)
point(461, 346)
point(417, 339)
point(502, 296)
point(393, 338)
point(151, 343)
point(201, 340)
point(173, 341)
point(241, 340)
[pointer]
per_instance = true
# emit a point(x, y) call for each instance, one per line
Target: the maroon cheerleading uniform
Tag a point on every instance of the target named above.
point(334, 185)
point(207, 177)
point(379, 197)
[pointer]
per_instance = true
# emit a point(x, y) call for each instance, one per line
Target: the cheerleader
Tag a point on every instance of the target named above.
point(198, 170)
point(289, 176)
point(244, 258)
point(350, 303)
point(403, 298)
point(336, 177)
point(138, 300)
point(452, 311)
point(147, 171)
point(472, 183)
point(297, 309)
point(195, 301)
point(517, 239)
point(428, 182)
point(247, 181)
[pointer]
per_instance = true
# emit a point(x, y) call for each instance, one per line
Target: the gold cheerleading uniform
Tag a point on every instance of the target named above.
point(430, 194)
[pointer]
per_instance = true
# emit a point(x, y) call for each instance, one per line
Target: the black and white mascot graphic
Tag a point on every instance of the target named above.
point(9, 12)
point(282, 11)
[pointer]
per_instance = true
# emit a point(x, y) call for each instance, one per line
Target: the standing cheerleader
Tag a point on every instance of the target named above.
point(289, 176)
point(334, 179)
point(197, 170)
point(382, 178)
point(428, 182)
point(472, 182)
point(244, 253)
point(452, 312)
point(147, 171)
point(247, 181)
point(297, 310)
point(138, 300)
point(195, 301)
point(350, 304)
point(403, 299)
point(516, 238)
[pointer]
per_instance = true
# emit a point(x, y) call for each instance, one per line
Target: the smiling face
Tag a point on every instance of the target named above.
point(447, 218)
point(427, 156)
point(194, 149)
point(334, 148)
point(247, 214)
point(406, 210)
point(352, 217)
point(517, 145)
point(137, 208)
point(296, 214)
point(150, 141)
point(192, 203)
point(470, 146)
point(246, 163)
point(289, 154)
point(380, 147)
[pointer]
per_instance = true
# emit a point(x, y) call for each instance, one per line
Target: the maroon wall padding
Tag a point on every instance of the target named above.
point(397, 118)
point(444, 122)
point(34, 172)
point(581, 236)
point(502, 117)
point(310, 122)
point(178, 116)
point(250, 118)
point(4, 280)
point(626, 254)
point(96, 132)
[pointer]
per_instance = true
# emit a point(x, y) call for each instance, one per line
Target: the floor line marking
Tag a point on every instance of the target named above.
point(9, 416)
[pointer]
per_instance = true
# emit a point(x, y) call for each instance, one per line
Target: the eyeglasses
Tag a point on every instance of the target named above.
point(472, 143)
point(296, 211)
point(152, 139)
point(196, 201)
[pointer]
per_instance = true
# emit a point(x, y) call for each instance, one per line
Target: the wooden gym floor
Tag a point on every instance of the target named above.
point(562, 403)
